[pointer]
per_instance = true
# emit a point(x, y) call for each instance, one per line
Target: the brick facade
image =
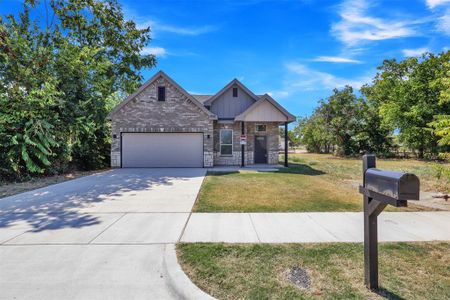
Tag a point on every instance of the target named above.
point(146, 114)
point(178, 113)
point(272, 133)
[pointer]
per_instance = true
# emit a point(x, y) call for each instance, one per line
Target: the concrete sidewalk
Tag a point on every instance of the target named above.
point(314, 227)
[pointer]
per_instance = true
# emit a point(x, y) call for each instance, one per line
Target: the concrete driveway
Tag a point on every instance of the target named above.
point(110, 235)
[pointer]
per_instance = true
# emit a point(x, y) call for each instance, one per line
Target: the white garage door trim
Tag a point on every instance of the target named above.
point(161, 150)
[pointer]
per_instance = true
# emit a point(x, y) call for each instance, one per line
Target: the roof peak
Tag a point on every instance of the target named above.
point(228, 86)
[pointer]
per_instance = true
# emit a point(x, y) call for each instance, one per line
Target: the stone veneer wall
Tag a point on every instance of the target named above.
point(272, 133)
point(146, 114)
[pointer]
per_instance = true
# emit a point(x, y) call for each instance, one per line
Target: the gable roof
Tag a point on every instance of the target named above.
point(201, 98)
point(172, 82)
point(289, 117)
point(227, 87)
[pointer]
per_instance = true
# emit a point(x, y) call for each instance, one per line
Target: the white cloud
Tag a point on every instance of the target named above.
point(414, 52)
point(157, 26)
point(443, 23)
point(157, 51)
point(356, 25)
point(305, 78)
point(160, 27)
point(278, 94)
point(434, 3)
point(302, 78)
point(336, 59)
point(184, 30)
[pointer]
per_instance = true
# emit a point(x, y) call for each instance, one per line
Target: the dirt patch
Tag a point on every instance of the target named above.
point(13, 188)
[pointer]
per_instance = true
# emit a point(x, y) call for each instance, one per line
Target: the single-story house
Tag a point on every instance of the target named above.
point(162, 125)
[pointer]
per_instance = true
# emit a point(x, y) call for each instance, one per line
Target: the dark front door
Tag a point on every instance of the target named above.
point(260, 150)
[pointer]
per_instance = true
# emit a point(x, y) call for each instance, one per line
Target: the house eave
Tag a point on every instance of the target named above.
point(288, 117)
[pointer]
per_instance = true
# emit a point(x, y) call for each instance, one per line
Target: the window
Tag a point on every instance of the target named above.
point(226, 142)
point(260, 128)
point(235, 92)
point(161, 93)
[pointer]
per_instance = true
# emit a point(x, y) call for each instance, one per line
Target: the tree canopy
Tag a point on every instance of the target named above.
point(345, 124)
point(408, 96)
point(61, 73)
point(408, 100)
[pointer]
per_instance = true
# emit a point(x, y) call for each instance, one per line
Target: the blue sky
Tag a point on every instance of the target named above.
point(296, 50)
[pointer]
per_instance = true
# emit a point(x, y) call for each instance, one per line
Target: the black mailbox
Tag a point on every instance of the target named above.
point(396, 185)
point(381, 188)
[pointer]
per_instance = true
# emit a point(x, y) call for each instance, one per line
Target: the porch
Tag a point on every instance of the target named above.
point(254, 167)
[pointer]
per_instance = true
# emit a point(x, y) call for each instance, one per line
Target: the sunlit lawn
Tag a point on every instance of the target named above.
point(345, 169)
point(407, 270)
point(312, 183)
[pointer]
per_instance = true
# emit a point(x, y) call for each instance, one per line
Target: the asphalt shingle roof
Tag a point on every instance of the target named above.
point(202, 98)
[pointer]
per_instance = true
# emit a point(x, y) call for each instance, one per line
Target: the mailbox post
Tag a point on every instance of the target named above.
point(379, 189)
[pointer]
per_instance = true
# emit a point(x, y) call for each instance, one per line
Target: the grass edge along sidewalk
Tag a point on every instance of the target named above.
point(407, 270)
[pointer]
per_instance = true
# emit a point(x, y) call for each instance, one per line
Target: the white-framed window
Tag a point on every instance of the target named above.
point(226, 142)
point(260, 127)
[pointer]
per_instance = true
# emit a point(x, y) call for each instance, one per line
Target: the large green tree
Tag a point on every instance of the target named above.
point(61, 74)
point(346, 124)
point(441, 122)
point(408, 98)
point(314, 134)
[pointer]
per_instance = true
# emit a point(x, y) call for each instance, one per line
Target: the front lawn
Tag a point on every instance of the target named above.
point(312, 183)
point(274, 192)
point(348, 170)
point(335, 271)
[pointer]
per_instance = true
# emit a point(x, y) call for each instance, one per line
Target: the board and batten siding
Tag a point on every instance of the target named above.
point(265, 112)
point(227, 106)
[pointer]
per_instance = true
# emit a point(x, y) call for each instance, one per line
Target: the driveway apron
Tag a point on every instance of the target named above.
point(101, 236)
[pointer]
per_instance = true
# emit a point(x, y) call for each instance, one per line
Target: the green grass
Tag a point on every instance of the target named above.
point(349, 169)
point(274, 191)
point(312, 183)
point(407, 270)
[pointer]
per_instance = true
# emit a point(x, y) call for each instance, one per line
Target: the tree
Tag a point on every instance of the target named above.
point(340, 112)
point(60, 80)
point(371, 135)
point(315, 134)
point(346, 124)
point(441, 122)
point(407, 96)
point(293, 138)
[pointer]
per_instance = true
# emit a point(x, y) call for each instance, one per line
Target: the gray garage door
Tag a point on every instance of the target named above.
point(162, 150)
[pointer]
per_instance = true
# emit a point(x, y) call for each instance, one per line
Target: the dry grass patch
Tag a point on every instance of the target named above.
point(12, 188)
point(407, 270)
point(313, 182)
point(348, 170)
point(273, 191)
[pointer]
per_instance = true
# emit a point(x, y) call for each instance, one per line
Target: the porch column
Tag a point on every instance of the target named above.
point(286, 144)
point(242, 146)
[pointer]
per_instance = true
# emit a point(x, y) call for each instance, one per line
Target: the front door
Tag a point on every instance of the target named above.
point(260, 150)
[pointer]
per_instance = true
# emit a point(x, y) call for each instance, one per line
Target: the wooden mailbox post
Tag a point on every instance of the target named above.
point(379, 189)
